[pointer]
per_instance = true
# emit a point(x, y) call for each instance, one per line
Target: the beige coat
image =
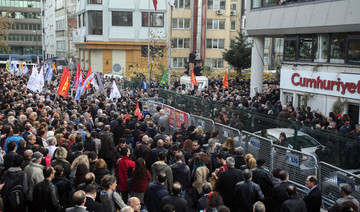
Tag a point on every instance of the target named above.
point(200, 177)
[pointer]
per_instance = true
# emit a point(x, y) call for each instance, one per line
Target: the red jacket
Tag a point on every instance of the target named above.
point(123, 165)
point(139, 186)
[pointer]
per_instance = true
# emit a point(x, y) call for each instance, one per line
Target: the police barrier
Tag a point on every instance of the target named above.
point(298, 164)
point(226, 132)
point(181, 117)
point(170, 111)
point(330, 178)
point(206, 123)
point(152, 104)
point(259, 147)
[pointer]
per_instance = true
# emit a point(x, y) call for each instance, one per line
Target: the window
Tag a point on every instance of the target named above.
point(215, 43)
point(156, 19)
point(290, 48)
point(216, 4)
point(95, 23)
point(179, 62)
point(155, 51)
point(95, 1)
point(79, 20)
point(59, 4)
point(182, 4)
point(233, 5)
point(120, 18)
point(215, 24)
point(60, 25)
point(338, 48)
point(60, 45)
point(305, 47)
point(83, 21)
point(233, 26)
point(321, 48)
point(181, 43)
point(181, 23)
point(353, 49)
point(216, 63)
point(256, 3)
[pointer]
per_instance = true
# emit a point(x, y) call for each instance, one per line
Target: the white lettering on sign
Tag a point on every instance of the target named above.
point(255, 143)
point(226, 134)
point(201, 123)
point(342, 178)
point(292, 159)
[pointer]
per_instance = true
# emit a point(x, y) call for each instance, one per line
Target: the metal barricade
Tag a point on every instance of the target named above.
point(298, 164)
point(170, 111)
point(226, 132)
point(181, 117)
point(259, 147)
point(152, 104)
point(330, 178)
point(206, 123)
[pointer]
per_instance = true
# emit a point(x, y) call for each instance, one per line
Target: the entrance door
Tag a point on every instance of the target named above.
point(353, 112)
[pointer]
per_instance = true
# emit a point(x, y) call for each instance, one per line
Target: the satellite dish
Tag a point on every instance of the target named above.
point(117, 67)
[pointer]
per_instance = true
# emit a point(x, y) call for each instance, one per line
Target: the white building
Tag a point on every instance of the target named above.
point(115, 31)
point(321, 56)
point(48, 26)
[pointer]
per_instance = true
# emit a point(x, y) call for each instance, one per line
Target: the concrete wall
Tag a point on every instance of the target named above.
point(119, 57)
point(96, 60)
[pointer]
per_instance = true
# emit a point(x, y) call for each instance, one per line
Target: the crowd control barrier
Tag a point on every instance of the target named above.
point(206, 123)
point(226, 131)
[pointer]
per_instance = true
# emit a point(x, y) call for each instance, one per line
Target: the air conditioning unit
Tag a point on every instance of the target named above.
point(233, 12)
point(219, 12)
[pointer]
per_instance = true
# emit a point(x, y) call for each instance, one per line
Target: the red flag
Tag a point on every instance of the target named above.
point(155, 4)
point(127, 116)
point(64, 83)
point(88, 75)
point(137, 111)
point(54, 66)
point(193, 78)
point(78, 73)
point(225, 81)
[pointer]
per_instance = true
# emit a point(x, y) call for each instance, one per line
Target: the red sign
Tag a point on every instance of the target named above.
point(181, 117)
point(171, 113)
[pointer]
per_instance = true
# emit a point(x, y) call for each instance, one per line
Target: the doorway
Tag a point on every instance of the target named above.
point(353, 112)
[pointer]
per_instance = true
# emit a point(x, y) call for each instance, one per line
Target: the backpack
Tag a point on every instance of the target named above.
point(15, 195)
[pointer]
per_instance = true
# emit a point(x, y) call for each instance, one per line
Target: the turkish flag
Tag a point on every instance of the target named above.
point(193, 78)
point(155, 4)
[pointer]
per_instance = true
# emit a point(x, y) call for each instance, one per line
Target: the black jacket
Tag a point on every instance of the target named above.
point(45, 197)
point(93, 206)
point(63, 187)
point(155, 153)
point(99, 174)
point(263, 179)
point(89, 145)
point(279, 194)
point(107, 146)
point(226, 185)
point(313, 200)
point(293, 204)
point(153, 195)
point(246, 194)
point(181, 174)
point(179, 203)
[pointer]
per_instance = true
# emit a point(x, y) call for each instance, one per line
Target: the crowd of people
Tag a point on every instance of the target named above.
point(99, 154)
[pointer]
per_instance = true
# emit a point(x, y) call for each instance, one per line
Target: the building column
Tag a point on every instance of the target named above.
point(257, 65)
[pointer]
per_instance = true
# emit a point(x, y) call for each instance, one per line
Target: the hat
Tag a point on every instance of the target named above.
point(71, 123)
point(206, 147)
point(338, 115)
point(36, 156)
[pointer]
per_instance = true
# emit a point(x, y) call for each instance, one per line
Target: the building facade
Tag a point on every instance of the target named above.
point(48, 27)
point(206, 26)
point(116, 32)
point(321, 51)
point(25, 36)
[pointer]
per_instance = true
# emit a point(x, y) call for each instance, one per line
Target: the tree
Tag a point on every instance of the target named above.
point(5, 25)
point(239, 54)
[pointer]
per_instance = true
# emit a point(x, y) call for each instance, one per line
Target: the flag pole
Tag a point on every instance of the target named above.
point(169, 54)
point(148, 22)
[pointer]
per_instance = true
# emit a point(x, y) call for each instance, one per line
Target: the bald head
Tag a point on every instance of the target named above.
point(160, 142)
point(79, 198)
point(134, 203)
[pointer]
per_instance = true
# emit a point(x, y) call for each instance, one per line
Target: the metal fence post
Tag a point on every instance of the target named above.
point(319, 175)
point(271, 165)
point(295, 133)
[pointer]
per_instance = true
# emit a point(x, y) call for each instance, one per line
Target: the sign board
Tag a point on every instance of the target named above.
point(255, 143)
point(342, 178)
point(117, 67)
point(292, 159)
point(226, 134)
point(181, 117)
point(201, 123)
point(170, 111)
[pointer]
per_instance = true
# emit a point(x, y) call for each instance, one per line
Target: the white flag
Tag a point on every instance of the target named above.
point(115, 93)
point(171, 2)
point(94, 83)
point(41, 79)
point(32, 83)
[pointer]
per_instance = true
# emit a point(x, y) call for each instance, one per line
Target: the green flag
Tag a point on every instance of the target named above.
point(163, 81)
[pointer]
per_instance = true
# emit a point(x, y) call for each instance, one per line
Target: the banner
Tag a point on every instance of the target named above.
point(115, 93)
point(181, 117)
point(170, 111)
point(34, 81)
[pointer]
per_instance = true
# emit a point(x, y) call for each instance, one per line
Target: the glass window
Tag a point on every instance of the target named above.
point(187, 43)
point(216, 4)
point(95, 21)
point(338, 48)
point(233, 5)
point(290, 48)
point(321, 48)
point(182, 4)
point(209, 43)
point(79, 20)
point(233, 25)
point(305, 47)
point(354, 49)
point(156, 19)
point(95, 1)
point(83, 20)
point(181, 23)
point(256, 3)
point(269, 2)
point(120, 18)
point(209, 24)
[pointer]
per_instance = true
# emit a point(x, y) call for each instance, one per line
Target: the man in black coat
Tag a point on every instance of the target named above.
point(227, 181)
point(313, 197)
point(90, 204)
point(107, 147)
point(279, 193)
point(179, 203)
point(263, 179)
point(247, 193)
point(293, 203)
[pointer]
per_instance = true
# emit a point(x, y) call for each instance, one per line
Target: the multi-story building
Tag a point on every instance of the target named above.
point(25, 37)
point(116, 32)
point(48, 23)
point(206, 26)
point(321, 51)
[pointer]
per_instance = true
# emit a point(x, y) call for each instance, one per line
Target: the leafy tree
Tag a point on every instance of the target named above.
point(239, 54)
point(5, 25)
